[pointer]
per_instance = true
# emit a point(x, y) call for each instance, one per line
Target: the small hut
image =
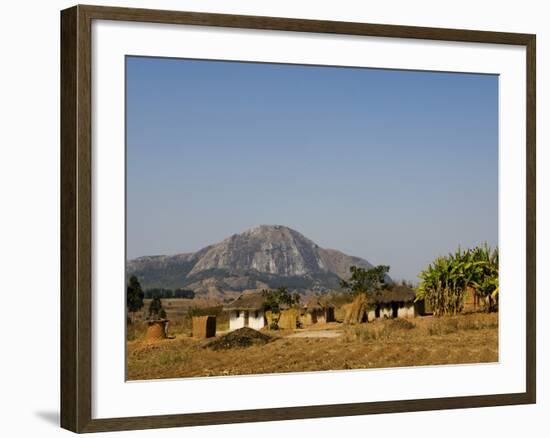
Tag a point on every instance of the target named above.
point(397, 302)
point(289, 318)
point(315, 312)
point(204, 326)
point(247, 311)
point(422, 308)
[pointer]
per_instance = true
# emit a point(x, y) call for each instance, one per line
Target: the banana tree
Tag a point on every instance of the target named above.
point(444, 282)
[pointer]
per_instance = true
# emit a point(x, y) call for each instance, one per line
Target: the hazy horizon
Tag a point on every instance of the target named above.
point(396, 167)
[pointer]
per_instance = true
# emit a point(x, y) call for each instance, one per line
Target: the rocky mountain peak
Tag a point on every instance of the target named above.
point(272, 249)
point(262, 256)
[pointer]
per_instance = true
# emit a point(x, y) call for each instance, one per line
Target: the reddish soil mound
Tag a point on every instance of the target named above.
point(243, 337)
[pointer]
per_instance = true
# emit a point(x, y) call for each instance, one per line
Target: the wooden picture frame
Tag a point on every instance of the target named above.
point(76, 217)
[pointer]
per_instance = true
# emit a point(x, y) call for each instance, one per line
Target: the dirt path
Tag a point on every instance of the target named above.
point(316, 334)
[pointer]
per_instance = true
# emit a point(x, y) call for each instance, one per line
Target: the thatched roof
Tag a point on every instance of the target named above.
point(397, 293)
point(314, 304)
point(247, 301)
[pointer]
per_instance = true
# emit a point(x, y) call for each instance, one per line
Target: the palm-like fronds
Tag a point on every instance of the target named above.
point(445, 281)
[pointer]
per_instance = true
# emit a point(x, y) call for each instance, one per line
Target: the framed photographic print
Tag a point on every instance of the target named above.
point(271, 218)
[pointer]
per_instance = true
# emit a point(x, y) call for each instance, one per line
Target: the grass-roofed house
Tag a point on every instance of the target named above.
point(247, 311)
point(397, 302)
point(316, 312)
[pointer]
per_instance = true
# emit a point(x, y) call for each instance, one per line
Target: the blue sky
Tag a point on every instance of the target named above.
point(394, 166)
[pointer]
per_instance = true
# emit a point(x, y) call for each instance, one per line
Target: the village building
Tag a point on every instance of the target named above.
point(422, 308)
point(289, 318)
point(314, 312)
point(397, 302)
point(247, 311)
point(204, 326)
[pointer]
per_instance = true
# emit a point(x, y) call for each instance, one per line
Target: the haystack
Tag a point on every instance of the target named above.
point(358, 311)
point(241, 338)
point(204, 326)
point(156, 330)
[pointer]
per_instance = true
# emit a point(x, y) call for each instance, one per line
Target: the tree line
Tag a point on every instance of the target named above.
point(168, 293)
point(135, 296)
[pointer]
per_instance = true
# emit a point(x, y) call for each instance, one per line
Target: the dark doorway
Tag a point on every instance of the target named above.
point(377, 311)
point(329, 314)
point(394, 309)
point(246, 316)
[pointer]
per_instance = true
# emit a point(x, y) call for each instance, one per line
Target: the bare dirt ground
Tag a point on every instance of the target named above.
point(316, 334)
point(381, 344)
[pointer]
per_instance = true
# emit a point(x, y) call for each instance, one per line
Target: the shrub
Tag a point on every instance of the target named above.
point(155, 306)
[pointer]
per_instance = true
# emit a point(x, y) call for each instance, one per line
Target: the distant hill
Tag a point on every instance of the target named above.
point(266, 256)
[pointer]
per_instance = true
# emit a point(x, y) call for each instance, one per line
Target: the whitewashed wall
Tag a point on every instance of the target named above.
point(407, 311)
point(256, 322)
point(371, 316)
point(237, 322)
point(385, 311)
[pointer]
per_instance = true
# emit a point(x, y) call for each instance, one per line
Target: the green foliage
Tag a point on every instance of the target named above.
point(155, 308)
point(275, 300)
point(134, 295)
point(485, 277)
point(445, 281)
point(366, 281)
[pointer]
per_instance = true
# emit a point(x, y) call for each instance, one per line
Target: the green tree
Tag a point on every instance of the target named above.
point(134, 296)
point(445, 281)
point(275, 299)
point(155, 307)
point(366, 281)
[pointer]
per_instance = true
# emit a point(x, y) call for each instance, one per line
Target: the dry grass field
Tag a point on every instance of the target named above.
point(469, 338)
